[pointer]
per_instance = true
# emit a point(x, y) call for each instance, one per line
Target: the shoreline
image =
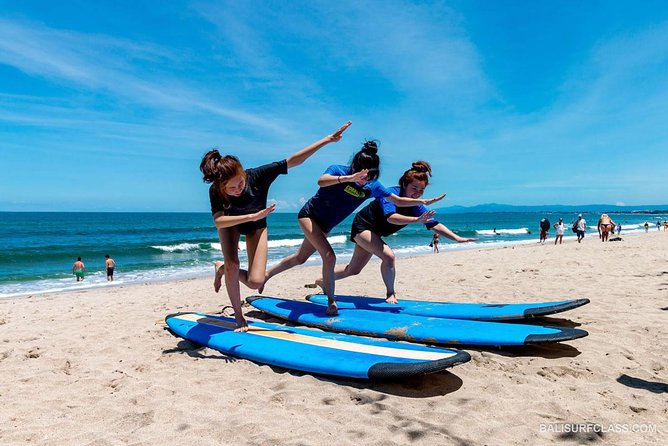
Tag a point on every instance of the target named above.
point(189, 274)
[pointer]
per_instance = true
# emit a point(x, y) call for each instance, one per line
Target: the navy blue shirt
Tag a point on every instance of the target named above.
point(374, 216)
point(332, 204)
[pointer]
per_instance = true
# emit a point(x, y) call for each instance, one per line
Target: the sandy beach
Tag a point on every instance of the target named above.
point(97, 367)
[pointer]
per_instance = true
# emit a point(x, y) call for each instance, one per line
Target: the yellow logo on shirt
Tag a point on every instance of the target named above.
point(350, 190)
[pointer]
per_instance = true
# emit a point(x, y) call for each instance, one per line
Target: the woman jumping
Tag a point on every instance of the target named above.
point(239, 207)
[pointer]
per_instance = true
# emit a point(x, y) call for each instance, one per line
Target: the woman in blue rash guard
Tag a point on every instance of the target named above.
point(382, 218)
point(342, 190)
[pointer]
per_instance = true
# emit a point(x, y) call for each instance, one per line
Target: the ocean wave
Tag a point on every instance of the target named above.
point(181, 247)
point(502, 231)
point(285, 243)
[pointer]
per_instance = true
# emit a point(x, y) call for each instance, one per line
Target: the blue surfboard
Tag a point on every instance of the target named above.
point(406, 327)
point(454, 310)
point(314, 351)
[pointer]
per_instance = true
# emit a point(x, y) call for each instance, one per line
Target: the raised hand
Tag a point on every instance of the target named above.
point(264, 212)
point(359, 177)
point(337, 135)
point(429, 201)
point(425, 217)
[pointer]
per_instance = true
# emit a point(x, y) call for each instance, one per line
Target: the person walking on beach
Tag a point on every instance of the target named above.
point(658, 225)
point(78, 269)
point(434, 243)
point(605, 225)
point(560, 231)
point(109, 265)
point(619, 229)
point(239, 207)
point(646, 227)
point(544, 228)
point(581, 227)
point(342, 190)
point(381, 218)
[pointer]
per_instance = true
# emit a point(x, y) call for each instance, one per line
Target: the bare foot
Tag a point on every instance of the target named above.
point(242, 325)
point(392, 299)
point(332, 309)
point(219, 268)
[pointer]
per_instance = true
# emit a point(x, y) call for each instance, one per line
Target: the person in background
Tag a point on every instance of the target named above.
point(581, 226)
point(560, 231)
point(238, 199)
point(109, 265)
point(434, 242)
point(646, 227)
point(605, 226)
point(544, 228)
point(658, 225)
point(78, 269)
point(619, 229)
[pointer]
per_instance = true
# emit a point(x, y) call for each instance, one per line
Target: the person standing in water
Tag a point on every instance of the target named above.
point(78, 269)
point(382, 218)
point(109, 265)
point(239, 207)
point(342, 190)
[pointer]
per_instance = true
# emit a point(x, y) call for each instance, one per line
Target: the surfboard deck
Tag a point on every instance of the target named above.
point(454, 310)
point(406, 327)
point(314, 351)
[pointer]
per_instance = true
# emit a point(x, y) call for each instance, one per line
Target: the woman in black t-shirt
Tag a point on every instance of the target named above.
point(239, 207)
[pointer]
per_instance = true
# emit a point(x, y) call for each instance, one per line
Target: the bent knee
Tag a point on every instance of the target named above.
point(254, 284)
point(231, 265)
point(329, 257)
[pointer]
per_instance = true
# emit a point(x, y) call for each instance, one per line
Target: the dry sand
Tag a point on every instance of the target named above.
point(95, 367)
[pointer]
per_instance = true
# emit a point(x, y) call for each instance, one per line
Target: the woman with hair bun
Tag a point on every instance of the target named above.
point(342, 190)
point(382, 218)
point(239, 207)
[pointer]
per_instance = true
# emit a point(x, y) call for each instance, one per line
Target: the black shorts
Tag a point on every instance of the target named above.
point(110, 271)
point(304, 213)
point(357, 227)
point(248, 227)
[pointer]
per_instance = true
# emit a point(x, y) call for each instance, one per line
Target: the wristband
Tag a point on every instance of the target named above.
point(338, 179)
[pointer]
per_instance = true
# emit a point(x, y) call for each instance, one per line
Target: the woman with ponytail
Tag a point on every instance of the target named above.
point(382, 218)
point(239, 207)
point(342, 190)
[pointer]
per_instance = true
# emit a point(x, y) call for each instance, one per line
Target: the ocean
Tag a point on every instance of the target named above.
point(37, 250)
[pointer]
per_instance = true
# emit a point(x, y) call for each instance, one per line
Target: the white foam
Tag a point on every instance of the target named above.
point(179, 247)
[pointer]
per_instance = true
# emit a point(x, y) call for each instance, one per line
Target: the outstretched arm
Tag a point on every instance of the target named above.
point(406, 202)
point(327, 179)
point(398, 219)
point(225, 221)
point(444, 231)
point(303, 154)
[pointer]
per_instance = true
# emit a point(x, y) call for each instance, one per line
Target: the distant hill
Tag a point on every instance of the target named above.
point(496, 207)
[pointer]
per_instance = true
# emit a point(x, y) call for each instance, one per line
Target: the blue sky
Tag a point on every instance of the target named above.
point(109, 106)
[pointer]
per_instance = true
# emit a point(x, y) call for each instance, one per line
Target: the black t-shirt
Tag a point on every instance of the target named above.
point(374, 216)
point(254, 196)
